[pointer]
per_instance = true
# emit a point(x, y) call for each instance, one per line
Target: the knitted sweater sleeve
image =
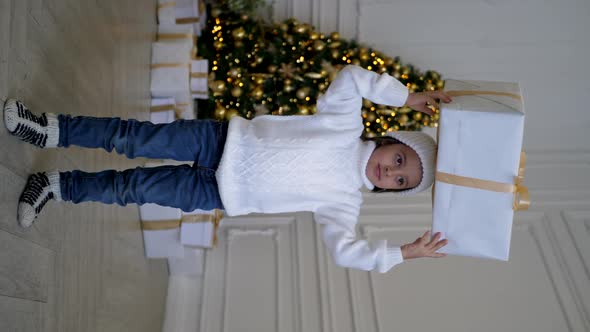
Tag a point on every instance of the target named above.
point(354, 82)
point(349, 251)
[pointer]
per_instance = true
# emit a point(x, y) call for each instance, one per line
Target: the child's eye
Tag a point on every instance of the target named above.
point(398, 160)
point(401, 181)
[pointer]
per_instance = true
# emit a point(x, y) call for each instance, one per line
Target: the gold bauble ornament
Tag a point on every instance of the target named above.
point(217, 86)
point(303, 109)
point(371, 116)
point(335, 35)
point(319, 45)
point(236, 92)
point(403, 119)
point(272, 69)
point(404, 109)
point(219, 112)
point(258, 59)
point(322, 86)
point(218, 45)
point(257, 93)
point(238, 33)
point(231, 113)
point(244, 17)
point(302, 93)
point(301, 28)
point(314, 76)
point(417, 116)
point(335, 44)
point(234, 72)
point(335, 54)
point(314, 36)
point(259, 80)
point(284, 27)
point(288, 87)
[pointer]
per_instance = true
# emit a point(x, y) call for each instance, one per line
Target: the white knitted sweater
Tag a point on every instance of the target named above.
point(275, 164)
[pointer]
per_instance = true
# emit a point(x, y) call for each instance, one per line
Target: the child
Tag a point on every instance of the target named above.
point(270, 164)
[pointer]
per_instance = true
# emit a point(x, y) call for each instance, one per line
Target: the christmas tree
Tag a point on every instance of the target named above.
point(282, 68)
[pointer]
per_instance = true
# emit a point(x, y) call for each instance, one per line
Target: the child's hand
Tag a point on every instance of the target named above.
point(424, 247)
point(419, 100)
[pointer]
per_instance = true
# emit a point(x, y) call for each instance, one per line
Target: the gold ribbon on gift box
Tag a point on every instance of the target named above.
point(522, 199)
point(169, 65)
point(159, 225)
point(187, 20)
point(174, 36)
point(166, 5)
point(167, 107)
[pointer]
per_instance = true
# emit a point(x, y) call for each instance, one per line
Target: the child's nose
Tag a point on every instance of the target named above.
point(389, 171)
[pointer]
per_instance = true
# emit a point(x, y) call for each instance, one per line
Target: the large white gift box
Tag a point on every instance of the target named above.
point(478, 165)
point(160, 226)
point(199, 75)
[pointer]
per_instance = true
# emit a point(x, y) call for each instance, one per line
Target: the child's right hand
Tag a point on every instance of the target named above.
point(424, 246)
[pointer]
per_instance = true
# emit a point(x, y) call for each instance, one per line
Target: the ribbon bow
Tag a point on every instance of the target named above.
point(522, 199)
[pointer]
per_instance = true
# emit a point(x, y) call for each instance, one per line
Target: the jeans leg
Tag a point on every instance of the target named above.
point(184, 187)
point(182, 140)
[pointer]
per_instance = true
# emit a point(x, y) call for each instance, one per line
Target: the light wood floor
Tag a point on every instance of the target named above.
point(81, 267)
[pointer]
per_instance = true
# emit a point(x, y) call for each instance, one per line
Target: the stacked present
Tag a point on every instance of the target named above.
point(176, 71)
point(179, 236)
point(479, 168)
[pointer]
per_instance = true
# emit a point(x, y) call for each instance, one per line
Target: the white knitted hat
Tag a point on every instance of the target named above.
point(426, 149)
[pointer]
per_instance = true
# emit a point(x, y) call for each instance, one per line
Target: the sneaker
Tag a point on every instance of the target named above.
point(40, 188)
point(39, 130)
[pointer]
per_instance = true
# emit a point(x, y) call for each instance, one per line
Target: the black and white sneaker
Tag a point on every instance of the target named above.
point(41, 131)
point(40, 188)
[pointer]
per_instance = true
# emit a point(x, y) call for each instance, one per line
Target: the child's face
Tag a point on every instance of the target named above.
point(394, 166)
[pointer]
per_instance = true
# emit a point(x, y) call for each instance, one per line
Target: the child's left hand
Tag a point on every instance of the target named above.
point(424, 246)
point(419, 101)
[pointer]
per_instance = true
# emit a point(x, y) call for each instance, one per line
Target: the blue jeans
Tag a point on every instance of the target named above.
point(184, 187)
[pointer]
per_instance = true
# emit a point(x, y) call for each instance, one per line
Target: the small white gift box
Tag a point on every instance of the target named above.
point(182, 36)
point(199, 76)
point(186, 107)
point(166, 12)
point(162, 110)
point(199, 228)
point(170, 72)
point(190, 12)
point(478, 170)
point(161, 231)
